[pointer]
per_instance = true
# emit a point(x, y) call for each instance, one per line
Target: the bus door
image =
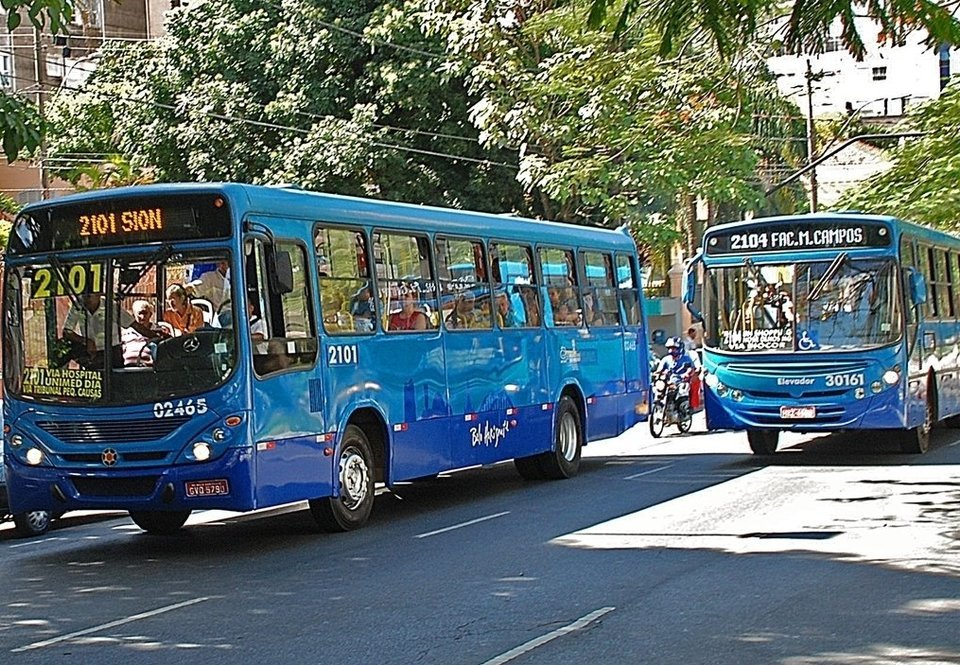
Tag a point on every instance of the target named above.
point(601, 353)
point(636, 352)
point(287, 414)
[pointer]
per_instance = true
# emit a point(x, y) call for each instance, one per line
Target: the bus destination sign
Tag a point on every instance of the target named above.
point(797, 236)
point(120, 221)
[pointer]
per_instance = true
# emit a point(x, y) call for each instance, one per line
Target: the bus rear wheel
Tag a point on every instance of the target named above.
point(351, 508)
point(160, 522)
point(564, 460)
point(763, 441)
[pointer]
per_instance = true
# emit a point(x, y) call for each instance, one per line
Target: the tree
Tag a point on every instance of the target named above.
point(20, 124)
point(922, 184)
point(318, 93)
point(613, 133)
point(731, 25)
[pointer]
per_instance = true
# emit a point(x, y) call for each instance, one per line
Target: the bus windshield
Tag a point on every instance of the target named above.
point(127, 330)
point(843, 304)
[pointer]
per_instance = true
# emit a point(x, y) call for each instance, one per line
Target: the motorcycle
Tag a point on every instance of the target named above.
point(671, 404)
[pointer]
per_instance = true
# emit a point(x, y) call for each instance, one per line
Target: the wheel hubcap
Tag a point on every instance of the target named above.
point(37, 520)
point(353, 478)
point(568, 437)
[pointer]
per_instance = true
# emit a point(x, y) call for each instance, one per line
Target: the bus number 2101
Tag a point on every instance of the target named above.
point(342, 354)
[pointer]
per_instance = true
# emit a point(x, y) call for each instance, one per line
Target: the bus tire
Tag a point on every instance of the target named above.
point(656, 419)
point(160, 522)
point(529, 467)
point(916, 441)
point(352, 507)
point(564, 460)
point(34, 523)
point(763, 441)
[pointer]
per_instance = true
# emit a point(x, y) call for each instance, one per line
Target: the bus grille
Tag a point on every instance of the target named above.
point(136, 486)
point(799, 369)
point(95, 458)
point(112, 431)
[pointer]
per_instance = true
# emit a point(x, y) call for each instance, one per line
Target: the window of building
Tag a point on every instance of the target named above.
point(879, 73)
point(832, 44)
point(6, 71)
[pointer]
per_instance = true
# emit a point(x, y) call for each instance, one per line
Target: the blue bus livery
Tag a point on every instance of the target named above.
point(357, 342)
point(826, 322)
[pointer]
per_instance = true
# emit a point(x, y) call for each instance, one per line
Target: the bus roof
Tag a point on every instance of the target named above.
point(282, 201)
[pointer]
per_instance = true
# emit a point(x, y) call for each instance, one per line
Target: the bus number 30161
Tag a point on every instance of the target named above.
point(844, 380)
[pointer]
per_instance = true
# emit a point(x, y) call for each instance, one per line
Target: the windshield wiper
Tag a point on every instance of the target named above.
point(158, 257)
point(827, 276)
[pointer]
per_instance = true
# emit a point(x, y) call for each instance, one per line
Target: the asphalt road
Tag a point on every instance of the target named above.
point(678, 550)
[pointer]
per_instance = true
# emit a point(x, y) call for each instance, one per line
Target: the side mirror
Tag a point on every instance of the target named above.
point(659, 336)
point(690, 286)
point(918, 287)
point(280, 271)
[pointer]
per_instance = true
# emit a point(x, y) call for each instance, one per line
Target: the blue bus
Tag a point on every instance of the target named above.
point(827, 322)
point(349, 342)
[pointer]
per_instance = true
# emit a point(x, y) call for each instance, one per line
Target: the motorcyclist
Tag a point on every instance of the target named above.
point(679, 364)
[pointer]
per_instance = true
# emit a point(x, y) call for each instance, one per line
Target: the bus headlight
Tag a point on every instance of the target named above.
point(737, 395)
point(34, 456)
point(876, 387)
point(219, 435)
point(711, 380)
point(16, 440)
point(891, 377)
point(202, 451)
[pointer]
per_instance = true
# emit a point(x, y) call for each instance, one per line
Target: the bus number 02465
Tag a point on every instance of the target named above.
point(183, 407)
point(343, 354)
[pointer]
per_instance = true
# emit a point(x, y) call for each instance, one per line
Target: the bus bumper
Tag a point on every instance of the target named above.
point(883, 411)
point(224, 483)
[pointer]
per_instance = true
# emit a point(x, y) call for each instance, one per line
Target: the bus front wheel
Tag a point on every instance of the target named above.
point(351, 508)
point(763, 441)
point(160, 522)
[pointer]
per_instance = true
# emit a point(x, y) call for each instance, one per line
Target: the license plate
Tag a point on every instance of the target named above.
point(798, 412)
point(207, 487)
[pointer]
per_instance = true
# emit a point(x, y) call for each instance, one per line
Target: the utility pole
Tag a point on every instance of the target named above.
point(811, 140)
point(41, 71)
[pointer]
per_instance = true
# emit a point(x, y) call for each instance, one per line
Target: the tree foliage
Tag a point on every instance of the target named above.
point(922, 184)
point(731, 25)
point(338, 95)
point(20, 124)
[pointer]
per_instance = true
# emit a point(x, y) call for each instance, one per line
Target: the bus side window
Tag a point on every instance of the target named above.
point(405, 285)
point(347, 304)
point(287, 318)
point(562, 304)
point(627, 287)
point(465, 298)
point(512, 272)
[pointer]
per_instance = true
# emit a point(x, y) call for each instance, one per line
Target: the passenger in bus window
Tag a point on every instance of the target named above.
point(464, 314)
point(507, 314)
point(84, 330)
point(361, 308)
point(184, 316)
point(591, 316)
point(258, 329)
point(409, 317)
point(138, 339)
point(213, 285)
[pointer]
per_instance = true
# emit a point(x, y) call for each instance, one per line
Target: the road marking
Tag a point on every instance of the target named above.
point(37, 542)
point(580, 623)
point(112, 624)
point(647, 473)
point(462, 524)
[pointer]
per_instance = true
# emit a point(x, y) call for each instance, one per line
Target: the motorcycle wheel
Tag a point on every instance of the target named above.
point(657, 416)
point(684, 417)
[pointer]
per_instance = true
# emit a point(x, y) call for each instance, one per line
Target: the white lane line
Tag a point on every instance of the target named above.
point(37, 542)
point(647, 473)
point(112, 624)
point(582, 622)
point(462, 524)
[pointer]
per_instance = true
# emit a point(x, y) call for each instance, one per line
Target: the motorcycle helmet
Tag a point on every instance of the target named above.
point(674, 347)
